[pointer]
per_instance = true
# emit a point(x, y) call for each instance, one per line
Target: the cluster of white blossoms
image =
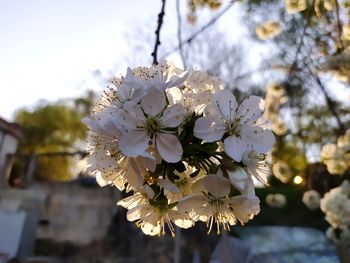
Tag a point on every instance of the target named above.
point(311, 199)
point(295, 6)
point(275, 98)
point(338, 65)
point(337, 156)
point(276, 200)
point(282, 171)
point(336, 205)
point(267, 30)
point(181, 146)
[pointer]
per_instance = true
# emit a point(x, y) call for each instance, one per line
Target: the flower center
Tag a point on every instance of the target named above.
point(152, 126)
point(233, 128)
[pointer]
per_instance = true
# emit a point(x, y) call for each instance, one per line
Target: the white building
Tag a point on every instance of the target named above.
point(10, 134)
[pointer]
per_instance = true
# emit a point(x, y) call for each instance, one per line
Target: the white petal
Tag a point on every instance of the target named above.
point(169, 147)
point(175, 96)
point(125, 121)
point(134, 214)
point(198, 187)
point(251, 110)
point(151, 229)
point(217, 185)
point(184, 223)
point(153, 103)
point(133, 173)
point(99, 179)
point(134, 143)
point(235, 147)
point(245, 208)
point(131, 201)
point(133, 81)
point(209, 129)
point(173, 116)
point(240, 180)
point(192, 203)
point(226, 104)
point(177, 80)
point(148, 162)
point(149, 191)
point(135, 112)
point(261, 139)
point(169, 186)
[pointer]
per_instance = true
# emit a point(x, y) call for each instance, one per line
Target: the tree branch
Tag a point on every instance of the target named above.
point(301, 41)
point(179, 37)
point(203, 28)
point(339, 26)
point(330, 104)
point(157, 32)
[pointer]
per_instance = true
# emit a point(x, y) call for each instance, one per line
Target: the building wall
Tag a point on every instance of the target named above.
point(76, 213)
point(8, 145)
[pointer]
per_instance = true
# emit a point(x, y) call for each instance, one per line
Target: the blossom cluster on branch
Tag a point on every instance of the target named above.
point(181, 146)
point(336, 205)
point(337, 156)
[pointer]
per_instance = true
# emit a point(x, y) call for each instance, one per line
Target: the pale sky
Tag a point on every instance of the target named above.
point(49, 48)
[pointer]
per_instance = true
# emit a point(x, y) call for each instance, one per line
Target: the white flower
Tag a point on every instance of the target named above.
point(340, 235)
point(343, 142)
point(241, 181)
point(197, 93)
point(282, 171)
point(279, 127)
point(276, 200)
point(337, 156)
point(240, 125)
point(106, 159)
point(346, 32)
point(336, 205)
point(153, 220)
point(268, 30)
point(275, 90)
point(312, 199)
point(124, 93)
point(184, 183)
point(215, 207)
point(159, 77)
point(256, 165)
point(295, 6)
point(329, 151)
point(149, 124)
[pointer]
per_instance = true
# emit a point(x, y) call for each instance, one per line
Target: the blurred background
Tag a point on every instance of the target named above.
point(55, 59)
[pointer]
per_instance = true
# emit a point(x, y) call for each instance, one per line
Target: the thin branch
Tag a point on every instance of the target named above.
point(204, 27)
point(301, 41)
point(339, 26)
point(179, 33)
point(157, 32)
point(330, 103)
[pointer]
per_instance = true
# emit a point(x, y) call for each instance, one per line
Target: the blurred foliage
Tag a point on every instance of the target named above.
point(193, 5)
point(294, 213)
point(53, 128)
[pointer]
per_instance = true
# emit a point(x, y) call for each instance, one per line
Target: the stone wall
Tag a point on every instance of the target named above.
point(72, 212)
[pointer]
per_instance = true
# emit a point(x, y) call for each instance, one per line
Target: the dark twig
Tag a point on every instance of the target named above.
point(339, 26)
point(157, 32)
point(179, 37)
point(203, 28)
point(330, 103)
point(301, 41)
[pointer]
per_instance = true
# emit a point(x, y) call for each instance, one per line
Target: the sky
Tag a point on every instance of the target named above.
point(49, 48)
